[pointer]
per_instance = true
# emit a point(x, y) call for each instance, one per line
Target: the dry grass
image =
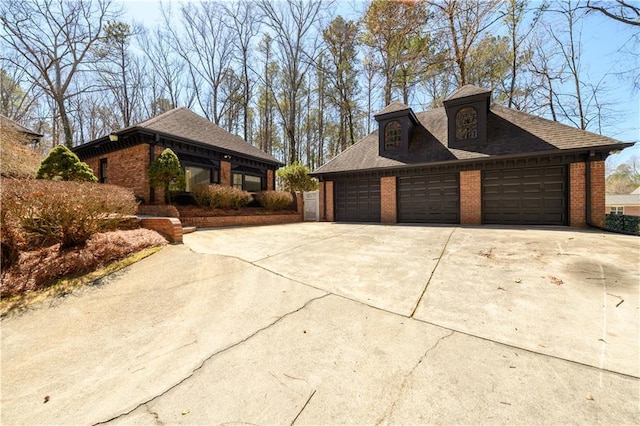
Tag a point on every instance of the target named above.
point(39, 269)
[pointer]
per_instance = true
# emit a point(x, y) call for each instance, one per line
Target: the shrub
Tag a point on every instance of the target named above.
point(275, 200)
point(618, 222)
point(62, 164)
point(50, 212)
point(166, 172)
point(220, 197)
point(296, 178)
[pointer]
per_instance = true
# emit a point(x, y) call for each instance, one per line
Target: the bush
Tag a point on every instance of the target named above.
point(296, 178)
point(62, 164)
point(275, 200)
point(44, 213)
point(618, 222)
point(220, 197)
point(166, 172)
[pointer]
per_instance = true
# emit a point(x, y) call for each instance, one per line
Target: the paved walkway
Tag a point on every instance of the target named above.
point(332, 323)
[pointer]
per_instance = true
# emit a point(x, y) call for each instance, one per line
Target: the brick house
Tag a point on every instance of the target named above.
point(468, 162)
point(626, 204)
point(208, 154)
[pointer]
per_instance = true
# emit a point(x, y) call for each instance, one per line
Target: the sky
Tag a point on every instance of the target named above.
point(601, 58)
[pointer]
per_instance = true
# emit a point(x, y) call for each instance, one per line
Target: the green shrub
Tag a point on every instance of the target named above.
point(44, 213)
point(166, 172)
point(62, 164)
point(618, 222)
point(295, 177)
point(275, 200)
point(220, 197)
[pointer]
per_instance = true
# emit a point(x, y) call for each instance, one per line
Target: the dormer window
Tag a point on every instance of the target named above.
point(392, 136)
point(466, 124)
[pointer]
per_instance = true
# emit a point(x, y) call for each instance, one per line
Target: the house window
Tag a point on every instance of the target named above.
point(198, 176)
point(252, 183)
point(617, 210)
point(236, 180)
point(392, 136)
point(466, 124)
point(247, 182)
point(103, 170)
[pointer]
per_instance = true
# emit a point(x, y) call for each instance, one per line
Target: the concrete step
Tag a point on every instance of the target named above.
point(188, 229)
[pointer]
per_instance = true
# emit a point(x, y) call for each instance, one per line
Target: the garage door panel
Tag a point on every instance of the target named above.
point(357, 200)
point(429, 198)
point(525, 196)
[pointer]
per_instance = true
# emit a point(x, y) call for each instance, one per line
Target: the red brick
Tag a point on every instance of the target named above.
point(225, 173)
point(326, 201)
point(471, 197)
point(388, 204)
point(577, 195)
point(221, 221)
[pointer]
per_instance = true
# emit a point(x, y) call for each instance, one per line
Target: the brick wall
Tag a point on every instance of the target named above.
point(577, 195)
point(471, 197)
point(225, 173)
point(326, 201)
point(126, 167)
point(168, 227)
point(630, 210)
point(270, 181)
point(597, 193)
point(388, 205)
point(220, 221)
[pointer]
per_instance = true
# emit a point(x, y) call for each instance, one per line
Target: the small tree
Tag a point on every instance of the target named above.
point(166, 172)
point(62, 164)
point(296, 178)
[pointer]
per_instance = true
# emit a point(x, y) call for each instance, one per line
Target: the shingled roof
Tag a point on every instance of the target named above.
point(186, 124)
point(510, 132)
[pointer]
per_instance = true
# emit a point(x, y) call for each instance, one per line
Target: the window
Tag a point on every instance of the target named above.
point(237, 180)
point(392, 136)
point(247, 182)
point(103, 170)
point(466, 124)
point(196, 176)
point(617, 210)
point(252, 183)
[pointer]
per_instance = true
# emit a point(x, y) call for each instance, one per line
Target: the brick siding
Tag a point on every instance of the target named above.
point(126, 167)
point(270, 181)
point(471, 197)
point(221, 221)
point(225, 173)
point(597, 193)
point(388, 204)
point(326, 201)
point(577, 195)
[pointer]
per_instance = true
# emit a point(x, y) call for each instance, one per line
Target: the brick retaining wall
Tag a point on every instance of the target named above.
point(220, 221)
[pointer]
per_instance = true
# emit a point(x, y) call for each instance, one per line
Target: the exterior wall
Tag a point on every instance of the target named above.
point(270, 181)
point(221, 221)
point(225, 173)
point(597, 193)
point(326, 201)
point(126, 167)
point(577, 195)
point(632, 210)
point(471, 197)
point(388, 204)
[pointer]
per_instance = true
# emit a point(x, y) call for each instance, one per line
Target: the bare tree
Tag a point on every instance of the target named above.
point(295, 33)
point(55, 40)
point(623, 11)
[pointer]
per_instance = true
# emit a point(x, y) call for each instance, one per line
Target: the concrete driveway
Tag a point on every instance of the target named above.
point(321, 323)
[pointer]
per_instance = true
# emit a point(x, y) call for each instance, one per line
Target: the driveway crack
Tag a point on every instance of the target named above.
point(424, 291)
point(210, 357)
point(405, 381)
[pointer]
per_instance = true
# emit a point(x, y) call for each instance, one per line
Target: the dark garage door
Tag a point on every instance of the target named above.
point(529, 196)
point(429, 198)
point(357, 200)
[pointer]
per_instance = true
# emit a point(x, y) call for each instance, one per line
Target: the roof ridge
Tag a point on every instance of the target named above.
point(162, 116)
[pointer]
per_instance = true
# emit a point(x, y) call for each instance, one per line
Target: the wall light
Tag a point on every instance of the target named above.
point(113, 137)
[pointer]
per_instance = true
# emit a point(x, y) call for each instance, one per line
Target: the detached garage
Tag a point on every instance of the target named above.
point(469, 162)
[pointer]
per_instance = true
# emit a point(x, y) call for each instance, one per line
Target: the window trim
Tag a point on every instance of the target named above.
point(617, 210)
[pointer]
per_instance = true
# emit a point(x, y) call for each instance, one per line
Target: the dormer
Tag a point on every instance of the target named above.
point(467, 113)
point(396, 123)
